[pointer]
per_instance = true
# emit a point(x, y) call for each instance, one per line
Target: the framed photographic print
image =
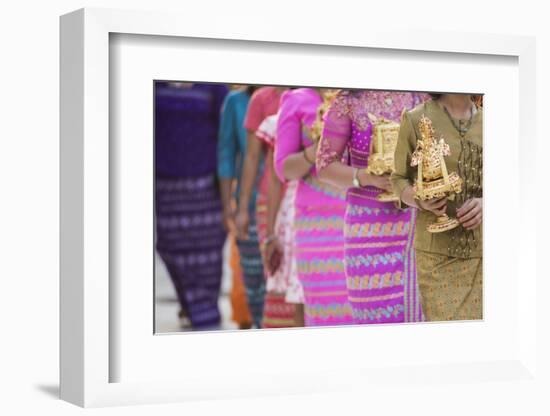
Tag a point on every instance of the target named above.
point(291, 211)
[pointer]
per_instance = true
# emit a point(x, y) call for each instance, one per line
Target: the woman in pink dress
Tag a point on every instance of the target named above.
point(251, 229)
point(283, 286)
point(319, 212)
point(274, 312)
point(379, 258)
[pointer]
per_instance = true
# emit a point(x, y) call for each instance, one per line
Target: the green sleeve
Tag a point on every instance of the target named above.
point(404, 174)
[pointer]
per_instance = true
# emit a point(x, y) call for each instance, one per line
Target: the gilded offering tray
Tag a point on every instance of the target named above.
point(379, 164)
point(382, 146)
point(439, 188)
point(442, 224)
point(433, 179)
point(328, 96)
point(381, 152)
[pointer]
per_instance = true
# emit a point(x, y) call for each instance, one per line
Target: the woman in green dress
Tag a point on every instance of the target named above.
point(449, 264)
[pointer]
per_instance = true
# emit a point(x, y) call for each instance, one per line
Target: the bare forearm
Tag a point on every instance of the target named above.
point(250, 171)
point(274, 193)
point(337, 174)
point(296, 165)
point(225, 192)
point(341, 176)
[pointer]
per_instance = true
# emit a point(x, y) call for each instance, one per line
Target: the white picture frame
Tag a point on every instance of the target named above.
point(87, 356)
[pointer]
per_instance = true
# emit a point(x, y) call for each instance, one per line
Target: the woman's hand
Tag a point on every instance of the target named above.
point(470, 214)
point(311, 153)
point(380, 182)
point(273, 255)
point(298, 165)
point(228, 218)
point(242, 220)
point(436, 205)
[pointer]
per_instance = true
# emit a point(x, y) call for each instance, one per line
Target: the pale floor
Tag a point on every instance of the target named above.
point(166, 304)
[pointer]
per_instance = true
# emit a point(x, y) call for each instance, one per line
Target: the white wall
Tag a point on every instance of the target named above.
point(29, 180)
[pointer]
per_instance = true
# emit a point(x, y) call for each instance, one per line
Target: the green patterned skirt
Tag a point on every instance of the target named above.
point(450, 287)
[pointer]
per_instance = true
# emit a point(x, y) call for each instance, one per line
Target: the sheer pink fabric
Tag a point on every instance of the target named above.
point(318, 219)
point(336, 133)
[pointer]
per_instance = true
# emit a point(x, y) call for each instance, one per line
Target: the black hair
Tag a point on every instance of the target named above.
point(250, 89)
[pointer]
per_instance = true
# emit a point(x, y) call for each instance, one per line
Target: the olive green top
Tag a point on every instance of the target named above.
point(466, 159)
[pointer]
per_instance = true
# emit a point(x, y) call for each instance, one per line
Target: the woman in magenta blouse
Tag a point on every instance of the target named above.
point(379, 258)
point(319, 213)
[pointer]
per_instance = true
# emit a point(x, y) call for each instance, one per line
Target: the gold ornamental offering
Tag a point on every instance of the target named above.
point(328, 96)
point(381, 152)
point(433, 180)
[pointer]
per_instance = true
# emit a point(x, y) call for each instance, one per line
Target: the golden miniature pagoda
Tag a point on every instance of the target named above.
point(382, 150)
point(433, 180)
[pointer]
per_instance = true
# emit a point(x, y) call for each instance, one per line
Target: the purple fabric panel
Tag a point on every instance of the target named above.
point(190, 238)
point(186, 128)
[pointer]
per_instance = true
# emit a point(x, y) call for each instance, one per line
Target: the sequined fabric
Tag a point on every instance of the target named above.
point(470, 169)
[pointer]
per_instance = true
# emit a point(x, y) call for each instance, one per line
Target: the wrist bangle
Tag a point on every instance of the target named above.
point(306, 158)
point(355, 180)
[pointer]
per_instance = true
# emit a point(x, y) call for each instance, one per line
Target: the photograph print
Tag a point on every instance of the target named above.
point(290, 207)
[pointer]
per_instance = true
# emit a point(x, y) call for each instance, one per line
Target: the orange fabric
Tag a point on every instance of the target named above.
point(240, 313)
